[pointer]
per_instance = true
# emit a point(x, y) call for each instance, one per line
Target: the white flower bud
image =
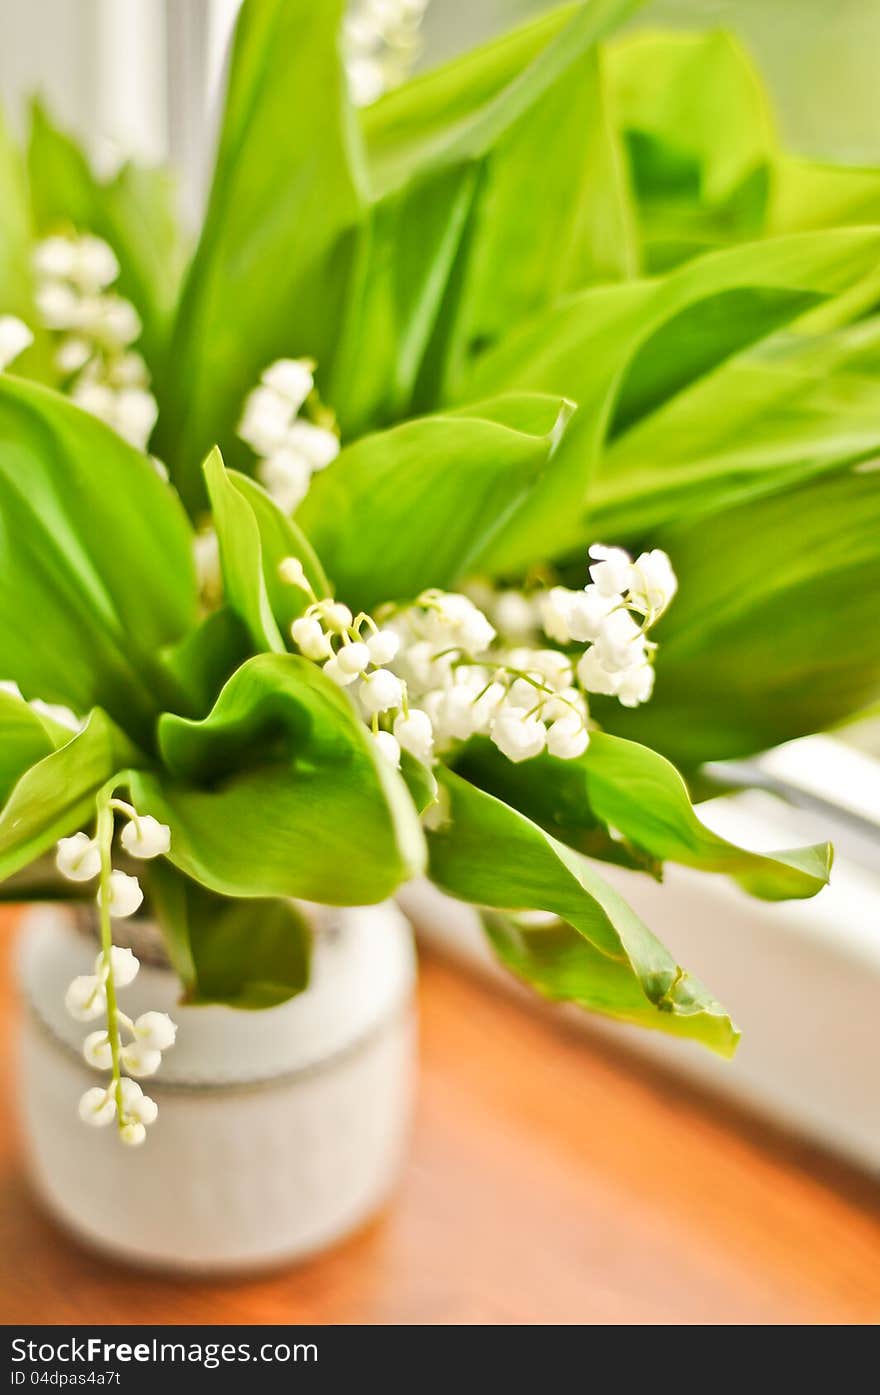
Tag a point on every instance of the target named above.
point(514, 615)
point(125, 895)
point(112, 320)
point(353, 658)
point(97, 1106)
point(555, 611)
point(338, 675)
point(566, 701)
point(124, 963)
point(636, 685)
point(94, 265)
point(612, 570)
point(265, 420)
point(310, 638)
point(517, 737)
point(78, 858)
point(594, 676)
point(14, 339)
point(73, 354)
point(620, 643)
point(55, 258)
point(336, 616)
point(388, 746)
point(292, 379)
point(415, 734)
point(58, 306)
point(291, 571)
point(86, 998)
point(654, 583)
point(567, 738)
point(380, 691)
point(383, 647)
point(97, 1052)
point(132, 1134)
point(286, 476)
point(146, 838)
point(155, 1030)
point(134, 415)
point(314, 444)
point(137, 1105)
point(140, 1060)
point(588, 611)
point(552, 667)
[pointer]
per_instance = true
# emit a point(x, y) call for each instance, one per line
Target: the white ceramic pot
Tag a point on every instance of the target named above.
point(278, 1131)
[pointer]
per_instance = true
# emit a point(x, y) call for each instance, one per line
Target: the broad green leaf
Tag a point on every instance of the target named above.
point(773, 633)
point(639, 803)
point(489, 854)
point(207, 656)
point(243, 953)
point(280, 791)
point(620, 352)
point(254, 537)
point(134, 211)
point(420, 781)
point(791, 409)
point(26, 737)
point(808, 195)
point(56, 796)
point(96, 568)
point(700, 139)
point(417, 505)
point(272, 267)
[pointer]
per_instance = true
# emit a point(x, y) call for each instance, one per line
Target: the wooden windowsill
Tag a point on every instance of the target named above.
point(550, 1180)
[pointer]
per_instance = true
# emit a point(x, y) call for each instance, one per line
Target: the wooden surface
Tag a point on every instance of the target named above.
point(549, 1181)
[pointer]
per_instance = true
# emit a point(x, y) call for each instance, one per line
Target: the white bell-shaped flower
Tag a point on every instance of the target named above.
point(383, 646)
point(567, 738)
point(98, 1106)
point(133, 1134)
point(621, 643)
point(380, 691)
point(265, 421)
point(94, 265)
point(353, 658)
point(145, 838)
point(125, 895)
point(315, 444)
point(14, 339)
point(514, 615)
point(415, 734)
point(86, 998)
point(155, 1031)
point(555, 612)
point(123, 962)
point(308, 635)
point(137, 1105)
point(286, 476)
point(518, 737)
point(339, 675)
point(588, 612)
point(78, 858)
point(388, 746)
point(292, 379)
point(336, 616)
point(72, 355)
point(140, 1060)
point(55, 258)
point(595, 677)
point(58, 306)
point(636, 685)
point(97, 1050)
point(611, 570)
point(654, 583)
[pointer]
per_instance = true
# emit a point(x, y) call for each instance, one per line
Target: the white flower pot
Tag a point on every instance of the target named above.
point(278, 1132)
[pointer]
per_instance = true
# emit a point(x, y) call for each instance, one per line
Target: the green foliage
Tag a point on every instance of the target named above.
point(567, 286)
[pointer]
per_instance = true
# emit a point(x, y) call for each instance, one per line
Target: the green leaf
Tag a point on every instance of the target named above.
point(700, 138)
point(491, 855)
point(791, 409)
point(96, 551)
point(619, 352)
point(134, 211)
point(280, 791)
point(416, 506)
point(207, 656)
point(26, 737)
point(56, 796)
point(242, 953)
point(773, 633)
point(271, 269)
point(621, 786)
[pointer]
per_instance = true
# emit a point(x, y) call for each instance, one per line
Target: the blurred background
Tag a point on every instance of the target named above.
point(143, 78)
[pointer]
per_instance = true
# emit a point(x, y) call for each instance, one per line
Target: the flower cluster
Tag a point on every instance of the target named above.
point(291, 447)
point(96, 328)
point(612, 615)
point(14, 339)
point(437, 672)
point(122, 1044)
point(382, 44)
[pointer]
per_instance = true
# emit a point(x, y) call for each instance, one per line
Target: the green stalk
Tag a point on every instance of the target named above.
point(105, 828)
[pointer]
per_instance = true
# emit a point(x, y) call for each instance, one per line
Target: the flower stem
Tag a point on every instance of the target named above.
point(104, 804)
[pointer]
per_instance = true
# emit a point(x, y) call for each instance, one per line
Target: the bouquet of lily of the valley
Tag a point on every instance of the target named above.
point(351, 545)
